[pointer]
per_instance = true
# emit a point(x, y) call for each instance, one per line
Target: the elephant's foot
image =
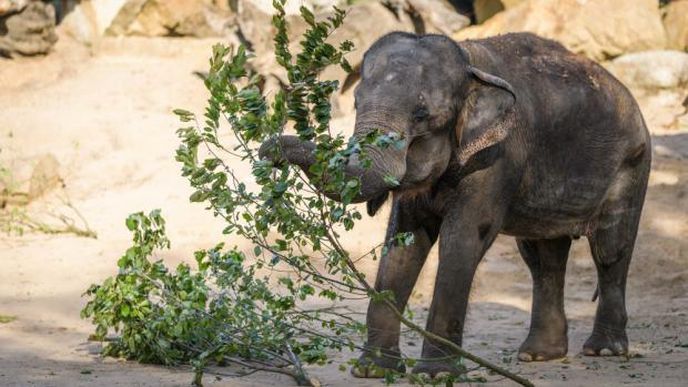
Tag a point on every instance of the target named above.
point(606, 343)
point(438, 369)
point(543, 347)
point(372, 366)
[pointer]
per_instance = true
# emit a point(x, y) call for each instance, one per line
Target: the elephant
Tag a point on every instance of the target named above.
point(512, 135)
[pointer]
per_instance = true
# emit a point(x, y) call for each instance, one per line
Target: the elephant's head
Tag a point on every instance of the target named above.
point(425, 90)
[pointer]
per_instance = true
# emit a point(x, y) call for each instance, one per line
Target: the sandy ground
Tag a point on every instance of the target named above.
point(107, 118)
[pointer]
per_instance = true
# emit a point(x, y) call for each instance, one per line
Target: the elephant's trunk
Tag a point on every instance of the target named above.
point(387, 165)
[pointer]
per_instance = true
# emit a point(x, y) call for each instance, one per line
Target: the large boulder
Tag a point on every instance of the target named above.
point(10, 6)
point(254, 20)
point(89, 19)
point(255, 29)
point(27, 28)
point(199, 18)
point(430, 16)
point(357, 27)
point(254, 23)
point(676, 24)
point(92, 19)
point(366, 21)
point(599, 29)
point(659, 81)
point(485, 9)
point(661, 69)
point(436, 16)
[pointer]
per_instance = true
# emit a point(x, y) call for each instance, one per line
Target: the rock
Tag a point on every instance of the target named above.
point(485, 9)
point(254, 25)
point(45, 176)
point(199, 18)
point(662, 69)
point(662, 109)
point(292, 7)
point(437, 16)
point(125, 17)
point(7, 6)
point(29, 30)
point(676, 24)
point(254, 22)
point(599, 29)
point(254, 28)
point(89, 19)
point(255, 16)
point(357, 28)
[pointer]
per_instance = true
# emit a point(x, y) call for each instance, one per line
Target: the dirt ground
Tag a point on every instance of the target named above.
point(107, 118)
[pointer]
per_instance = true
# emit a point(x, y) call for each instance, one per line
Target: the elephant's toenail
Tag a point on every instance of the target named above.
point(442, 375)
point(523, 356)
point(606, 352)
point(588, 352)
point(539, 358)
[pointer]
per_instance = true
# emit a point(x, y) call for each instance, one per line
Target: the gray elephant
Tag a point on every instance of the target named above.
point(514, 135)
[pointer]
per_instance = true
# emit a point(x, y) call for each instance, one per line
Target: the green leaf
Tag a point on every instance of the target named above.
point(391, 181)
point(198, 196)
point(307, 16)
point(184, 115)
point(346, 66)
point(131, 223)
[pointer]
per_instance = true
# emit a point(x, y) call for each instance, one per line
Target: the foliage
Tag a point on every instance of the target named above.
point(226, 310)
point(221, 311)
point(254, 308)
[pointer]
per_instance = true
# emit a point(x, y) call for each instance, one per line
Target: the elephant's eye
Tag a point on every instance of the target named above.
point(420, 114)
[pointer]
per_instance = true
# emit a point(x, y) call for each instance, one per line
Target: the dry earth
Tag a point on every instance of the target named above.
point(107, 118)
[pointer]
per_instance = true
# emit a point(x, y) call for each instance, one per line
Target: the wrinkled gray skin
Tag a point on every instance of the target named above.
point(514, 135)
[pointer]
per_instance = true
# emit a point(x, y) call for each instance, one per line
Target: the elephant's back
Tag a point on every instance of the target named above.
point(561, 91)
point(580, 126)
point(574, 111)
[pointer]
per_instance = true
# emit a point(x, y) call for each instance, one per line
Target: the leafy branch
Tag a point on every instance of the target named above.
point(283, 305)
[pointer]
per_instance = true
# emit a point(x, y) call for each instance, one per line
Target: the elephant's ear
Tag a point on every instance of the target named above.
point(374, 204)
point(483, 120)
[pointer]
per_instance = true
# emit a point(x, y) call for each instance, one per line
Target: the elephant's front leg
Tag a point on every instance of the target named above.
point(398, 271)
point(465, 235)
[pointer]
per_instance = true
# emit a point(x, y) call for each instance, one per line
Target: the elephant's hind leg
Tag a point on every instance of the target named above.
point(611, 244)
point(546, 259)
point(611, 250)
